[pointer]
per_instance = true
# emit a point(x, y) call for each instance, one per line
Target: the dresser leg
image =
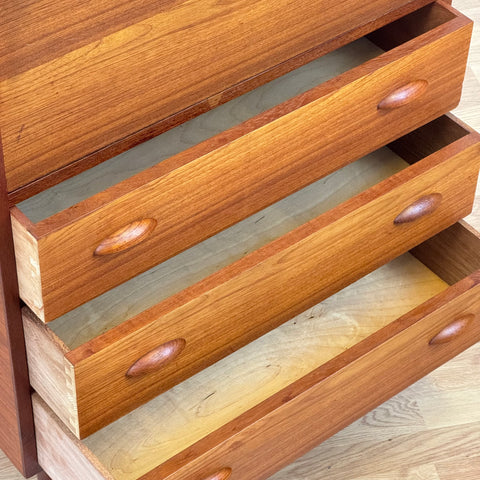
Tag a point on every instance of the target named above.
point(16, 417)
point(43, 476)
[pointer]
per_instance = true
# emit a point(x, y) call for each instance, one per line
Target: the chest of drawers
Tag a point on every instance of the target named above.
point(172, 280)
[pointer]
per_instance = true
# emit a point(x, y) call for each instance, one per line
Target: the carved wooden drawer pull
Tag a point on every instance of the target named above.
point(221, 475)
point(420, 208)
point(453, 330)
point(127, 237)
point(404, 95)
point(157, 358)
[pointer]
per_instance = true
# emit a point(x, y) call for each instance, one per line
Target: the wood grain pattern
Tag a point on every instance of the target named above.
point(439, 440)
point(348, 407)
point(134, 139)
point(451, 468)
point(51, 376)
point(289, 265)
point(195, 264)
point(83, 57)
point(30, 287)
point(49, 432)
point(16, 420)
point(296, 412)
point(379, 446)
point(422, 453)
point(226, 175)
point(429, 431)
point(199, 129)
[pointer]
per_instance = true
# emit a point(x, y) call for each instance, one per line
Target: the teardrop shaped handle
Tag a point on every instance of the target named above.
point(453, 330)
point(420, 208)
point(404, 95)
point(223, 474)
point(127, 237)
point(157, 358)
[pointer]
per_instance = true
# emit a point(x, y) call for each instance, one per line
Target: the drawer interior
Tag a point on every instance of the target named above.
point(190, 411)
point(176, 420)
point(121, 167)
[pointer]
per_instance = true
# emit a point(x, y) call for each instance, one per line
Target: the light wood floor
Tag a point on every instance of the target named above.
point(430, 431)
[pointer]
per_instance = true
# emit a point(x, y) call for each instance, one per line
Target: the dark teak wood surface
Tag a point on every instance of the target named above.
point(16, 419)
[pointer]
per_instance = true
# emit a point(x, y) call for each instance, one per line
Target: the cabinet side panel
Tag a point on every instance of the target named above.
point(16, 420)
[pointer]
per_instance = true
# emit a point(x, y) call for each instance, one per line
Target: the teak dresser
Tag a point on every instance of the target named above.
point(228, 228)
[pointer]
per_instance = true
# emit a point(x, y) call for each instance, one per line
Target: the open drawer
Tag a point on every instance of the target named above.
point(74, 252)
point(118, 351)
point(258, 409)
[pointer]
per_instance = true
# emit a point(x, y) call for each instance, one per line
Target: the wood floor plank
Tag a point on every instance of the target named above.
point(423, 472)
point(463, 468)
point(8, 471)
point(330, 461)
point(450, 407)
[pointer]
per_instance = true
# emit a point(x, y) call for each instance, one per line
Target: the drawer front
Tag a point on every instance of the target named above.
point(289, 423)
point(248, 298)
point(236, 173)
point(83, 75)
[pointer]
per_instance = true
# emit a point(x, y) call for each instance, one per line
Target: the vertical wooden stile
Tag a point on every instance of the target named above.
point(17, 438)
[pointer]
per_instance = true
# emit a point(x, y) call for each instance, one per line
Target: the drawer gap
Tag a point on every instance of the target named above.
point(410, 26)
point(453, 253)
point(429, 138)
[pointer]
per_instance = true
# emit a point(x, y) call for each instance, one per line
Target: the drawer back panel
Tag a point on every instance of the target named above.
point(76, 77)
